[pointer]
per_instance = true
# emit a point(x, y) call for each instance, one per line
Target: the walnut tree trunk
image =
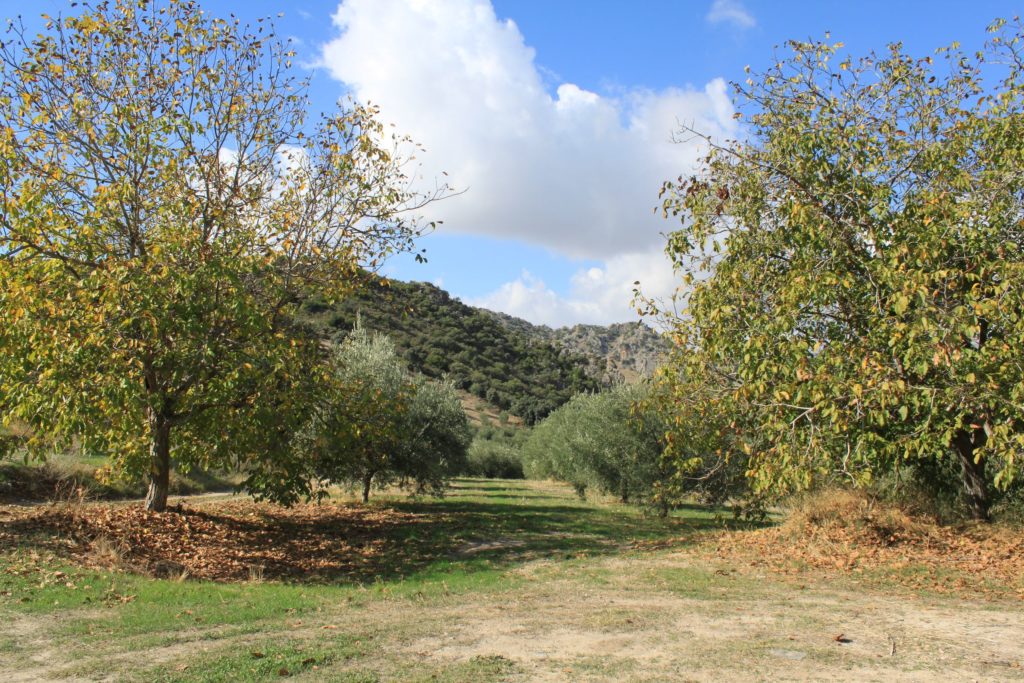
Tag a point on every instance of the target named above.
point(159, 465)
point(367, 481)
point(973, 472)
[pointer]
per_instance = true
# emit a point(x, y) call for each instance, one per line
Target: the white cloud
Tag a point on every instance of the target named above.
point(228, 157)
point(290, 159)
point(572, 170)
point(597, 295)
point(575, 171)
point(731, 12)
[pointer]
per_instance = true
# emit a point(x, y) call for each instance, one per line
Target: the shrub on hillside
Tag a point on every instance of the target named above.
point(446, 338)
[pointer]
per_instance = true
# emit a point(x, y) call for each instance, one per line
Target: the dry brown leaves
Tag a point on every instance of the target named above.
point(234, 541)
point(845, 533)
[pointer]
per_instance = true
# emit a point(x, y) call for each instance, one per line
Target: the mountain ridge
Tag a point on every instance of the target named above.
point(523, 369)
point(618, 352)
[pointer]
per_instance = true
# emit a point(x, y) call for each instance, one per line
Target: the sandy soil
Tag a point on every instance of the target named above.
point(622, 631)
point(623, 626)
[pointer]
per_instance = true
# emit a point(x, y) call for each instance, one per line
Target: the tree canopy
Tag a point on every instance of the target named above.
point(164, 202)
point(377, 423)
point(853, 269)
point(600, 441)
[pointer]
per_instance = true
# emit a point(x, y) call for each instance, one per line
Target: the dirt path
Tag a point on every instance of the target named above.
point(623, 631)
point(641, 618)
point(31, 633)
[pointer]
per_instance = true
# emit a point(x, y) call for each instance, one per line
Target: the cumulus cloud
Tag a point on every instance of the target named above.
point(572, 170)
point(731, 12)
point(597, 295)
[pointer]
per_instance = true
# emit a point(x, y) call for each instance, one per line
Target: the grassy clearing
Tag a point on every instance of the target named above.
point(508, 581)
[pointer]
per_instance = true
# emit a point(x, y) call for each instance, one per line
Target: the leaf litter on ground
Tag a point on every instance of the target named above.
point(233, 541)
point(846, 533)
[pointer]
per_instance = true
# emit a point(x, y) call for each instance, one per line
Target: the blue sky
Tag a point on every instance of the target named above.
point(555, 117)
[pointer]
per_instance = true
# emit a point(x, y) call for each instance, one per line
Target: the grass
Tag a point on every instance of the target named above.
point(488, 525)
point(477, 538)
point(506, 580)
point(259, 660)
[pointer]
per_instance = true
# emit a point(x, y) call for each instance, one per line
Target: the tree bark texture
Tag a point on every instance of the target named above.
point(367, 481)
point(159, 465)
point(973, 473)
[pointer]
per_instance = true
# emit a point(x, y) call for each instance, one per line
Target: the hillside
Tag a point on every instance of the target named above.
point(441, 336)
point(524, 369)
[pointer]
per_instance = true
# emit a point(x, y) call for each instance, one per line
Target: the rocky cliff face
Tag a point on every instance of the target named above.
point(622, 352)
point(629, 351)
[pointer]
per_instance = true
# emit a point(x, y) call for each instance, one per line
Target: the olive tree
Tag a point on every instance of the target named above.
point(164, 201)
point(853, 273)
point(436, 437)
point(377, 423)
point(604, 441)
point(357, 429)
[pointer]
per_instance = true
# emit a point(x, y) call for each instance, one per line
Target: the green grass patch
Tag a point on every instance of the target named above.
point(469, 543)
point(159, 606)
point(258, 661)
point(33, 584)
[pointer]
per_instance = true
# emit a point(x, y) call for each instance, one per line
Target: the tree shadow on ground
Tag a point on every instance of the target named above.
point(482, 526)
